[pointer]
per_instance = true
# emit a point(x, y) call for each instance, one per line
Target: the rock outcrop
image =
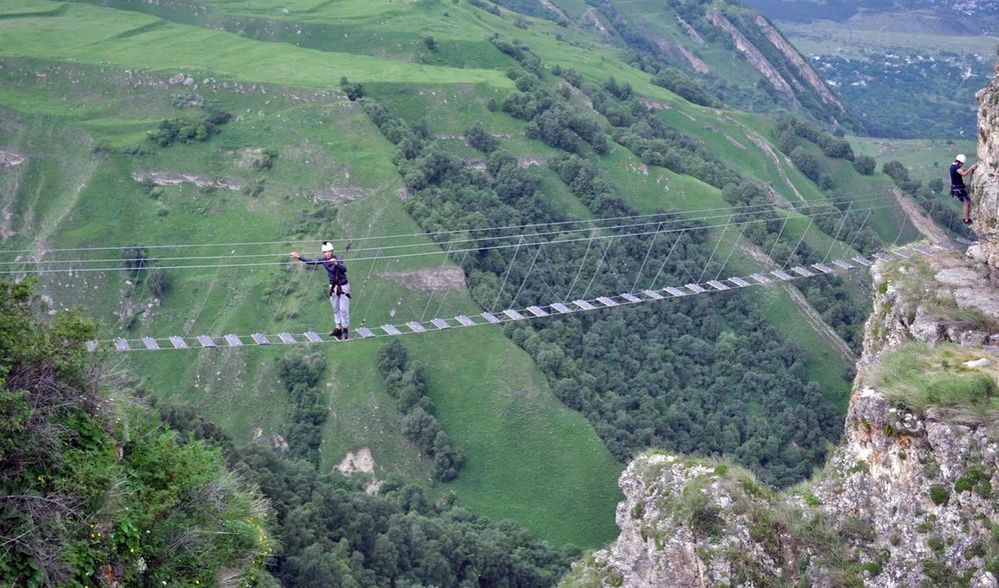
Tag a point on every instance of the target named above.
point(754, 56)
point(806, 71)
point(985, 187)
point(910, 497)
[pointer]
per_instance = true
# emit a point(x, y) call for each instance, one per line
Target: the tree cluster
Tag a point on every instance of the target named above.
point(701, 375)
point(683, 86)
point(637, 128)
point(407, 384)
point(354, 91)
point(300, 377)
point(827, 294)
point(184, 129)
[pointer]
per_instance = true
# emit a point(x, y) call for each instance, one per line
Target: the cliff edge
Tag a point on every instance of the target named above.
point(908, 498)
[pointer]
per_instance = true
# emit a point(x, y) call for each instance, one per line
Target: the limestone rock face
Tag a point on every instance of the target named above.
point(910, 497)
point(985, 186)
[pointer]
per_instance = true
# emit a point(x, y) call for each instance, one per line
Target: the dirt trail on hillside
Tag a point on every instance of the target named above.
point(807, 310)
point(922, 221)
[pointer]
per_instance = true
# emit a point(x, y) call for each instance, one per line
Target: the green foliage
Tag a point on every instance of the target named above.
point(829, 295)
point(680, 84)
point(333, 533)
point(353, 91)
point(638, 511)
point(266, 161)
point(976, 477)
point(625, 393)
point(188, 129)
point(864, 164)
point(300, 377)
point(940, 495)
point(407, 384)
point(91, 495)
point(480, 139)
point(429, 42)
point(923, 196)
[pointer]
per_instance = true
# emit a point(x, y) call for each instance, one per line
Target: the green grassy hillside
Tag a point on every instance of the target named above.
point(83, 85)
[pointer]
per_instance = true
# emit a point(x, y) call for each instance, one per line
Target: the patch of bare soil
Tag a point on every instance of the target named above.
point(335, 194)
point(175, 179)
point(249, 158)
point(354, 462)
point(443, 278)
point(694, 60)
point(10, 158)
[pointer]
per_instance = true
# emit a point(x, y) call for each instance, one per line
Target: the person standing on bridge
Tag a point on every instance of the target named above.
point(957, 187)
point(336, 270)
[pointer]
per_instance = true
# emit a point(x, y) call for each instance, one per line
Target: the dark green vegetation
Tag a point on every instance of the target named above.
point(616, 367)
point(333, 532)
point(96, 490)
point(361, 119)
point(300, 377)
point(407, 384)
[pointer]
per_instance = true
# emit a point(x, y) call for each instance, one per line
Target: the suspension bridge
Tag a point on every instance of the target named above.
point(478, 240)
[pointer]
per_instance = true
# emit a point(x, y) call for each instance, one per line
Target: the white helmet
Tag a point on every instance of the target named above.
point(327, 246)
point(960, 157)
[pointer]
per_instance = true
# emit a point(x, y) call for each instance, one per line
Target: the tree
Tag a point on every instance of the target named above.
point(864, 164)
point(807, 163)
point(478, 138)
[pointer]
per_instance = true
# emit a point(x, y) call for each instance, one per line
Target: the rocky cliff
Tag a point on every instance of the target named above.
point(910, 496)
point(985, 187)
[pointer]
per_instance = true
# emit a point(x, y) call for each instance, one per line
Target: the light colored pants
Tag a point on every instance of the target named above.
point(341, 307)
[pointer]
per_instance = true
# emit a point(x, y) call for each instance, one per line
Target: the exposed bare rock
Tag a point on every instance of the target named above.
point(908, 498)
point(437, 279)
point(594, 18)
point(693, 34)
point(755, 57)
point(10, 158)
point(804, 68)
point(334, 194)
point(360, 462)
point(941, 298)
point(696, 62)
point(164, 178)
point(985, 186)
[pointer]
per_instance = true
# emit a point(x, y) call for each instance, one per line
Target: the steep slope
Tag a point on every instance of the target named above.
point(907, 498)
point(300, 159)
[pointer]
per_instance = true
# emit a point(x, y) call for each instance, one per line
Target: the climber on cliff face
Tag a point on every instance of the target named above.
point(957, 187)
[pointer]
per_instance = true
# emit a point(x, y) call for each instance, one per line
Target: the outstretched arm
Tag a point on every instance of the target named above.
point(967, 170)
point(302, 258)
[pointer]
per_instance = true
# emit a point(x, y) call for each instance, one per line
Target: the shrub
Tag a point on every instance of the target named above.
point(940, 495)
point(864, 164)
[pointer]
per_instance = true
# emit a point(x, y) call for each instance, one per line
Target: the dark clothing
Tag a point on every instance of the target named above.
point(957, 187)
point(335, 269)
point(956, 179)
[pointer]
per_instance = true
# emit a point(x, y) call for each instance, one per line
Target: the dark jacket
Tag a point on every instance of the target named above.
point(956, 180)
point(335, 268)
